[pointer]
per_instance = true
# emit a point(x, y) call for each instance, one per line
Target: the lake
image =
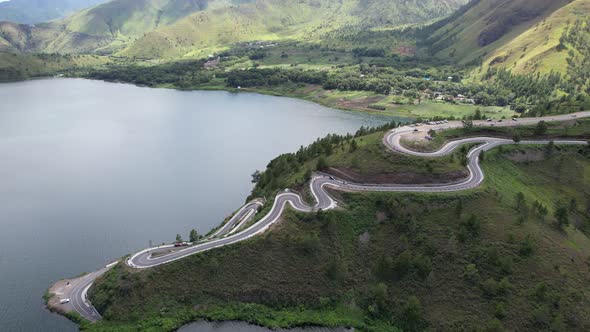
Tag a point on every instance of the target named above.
point(91, 171)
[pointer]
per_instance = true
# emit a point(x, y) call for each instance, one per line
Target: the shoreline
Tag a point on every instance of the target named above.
point(260, 91)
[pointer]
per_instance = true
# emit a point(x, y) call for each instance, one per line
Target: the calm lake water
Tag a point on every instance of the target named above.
point(91, 171)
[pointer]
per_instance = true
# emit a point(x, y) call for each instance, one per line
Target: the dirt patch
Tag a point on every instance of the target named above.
point(311, 88)
point(364, 238)
point(361, 103)
point(525, 156)
point(405, 50)
point(380, 216)
point(398, 178)
point(57, 292)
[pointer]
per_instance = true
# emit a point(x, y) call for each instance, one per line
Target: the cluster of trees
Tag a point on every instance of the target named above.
point(368, 52)
point(182, 74)
point(578, 37)
point(405, 264)
point(277, 171)
point(193, 236)
point(519, 90)
point(12, 74)
point(273, 77)
point(562, 213)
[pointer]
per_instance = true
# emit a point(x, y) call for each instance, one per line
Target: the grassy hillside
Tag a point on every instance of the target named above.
point(537, 49)
point(209, 30)
point(490, 258)
point(15, 66)
point(172, 28)
point(488, 25)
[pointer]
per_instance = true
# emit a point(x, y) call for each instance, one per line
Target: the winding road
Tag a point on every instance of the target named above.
point(235, 229)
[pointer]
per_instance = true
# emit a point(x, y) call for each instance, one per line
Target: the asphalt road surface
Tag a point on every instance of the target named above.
point(233, 232)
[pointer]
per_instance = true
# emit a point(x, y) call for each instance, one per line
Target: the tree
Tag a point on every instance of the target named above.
point(516, 137)
point(193, 236)
point(550, 147)
point(482, 156)
point(541, 128)
point(412, 314)
point(432, 133)
point(178, 238)
point(526, 246)
point(477, 115)
point(353, 145)
point(471, 273)
point(322, 163)
point(562, 216)
point(378, 298)
point(307, 175)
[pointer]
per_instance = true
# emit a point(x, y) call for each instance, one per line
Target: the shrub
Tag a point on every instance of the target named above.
point(500, 311)
point(526, 246)
point(411, 316)
point(471, 273)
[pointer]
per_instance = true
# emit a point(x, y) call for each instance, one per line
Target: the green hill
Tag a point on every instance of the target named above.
point(521, 35)
point(173, 28)
point(488, 259)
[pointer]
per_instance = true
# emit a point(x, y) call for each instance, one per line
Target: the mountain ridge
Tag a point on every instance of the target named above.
point(175, 28)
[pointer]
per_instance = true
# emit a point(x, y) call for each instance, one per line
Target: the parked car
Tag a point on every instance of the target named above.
point(64, 301)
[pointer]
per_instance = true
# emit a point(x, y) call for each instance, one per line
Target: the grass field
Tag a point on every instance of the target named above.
point(428, 110)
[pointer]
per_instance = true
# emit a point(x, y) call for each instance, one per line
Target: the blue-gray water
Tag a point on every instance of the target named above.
point(91, 171)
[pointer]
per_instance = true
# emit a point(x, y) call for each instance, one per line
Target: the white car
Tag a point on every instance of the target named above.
point(64, 301)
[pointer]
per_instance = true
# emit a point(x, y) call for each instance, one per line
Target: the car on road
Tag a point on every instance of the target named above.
point(513, 119)
point(181, 244)
point(332, 178)
point(64, 301)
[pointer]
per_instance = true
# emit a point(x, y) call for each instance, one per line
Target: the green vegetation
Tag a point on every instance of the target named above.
point(47, 296)
point(359, 158)
point(14, 67)
point(512, 254)
point(175, 29)
point(392, 58)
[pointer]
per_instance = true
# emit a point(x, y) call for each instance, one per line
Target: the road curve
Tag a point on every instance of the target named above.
point(232, 231)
